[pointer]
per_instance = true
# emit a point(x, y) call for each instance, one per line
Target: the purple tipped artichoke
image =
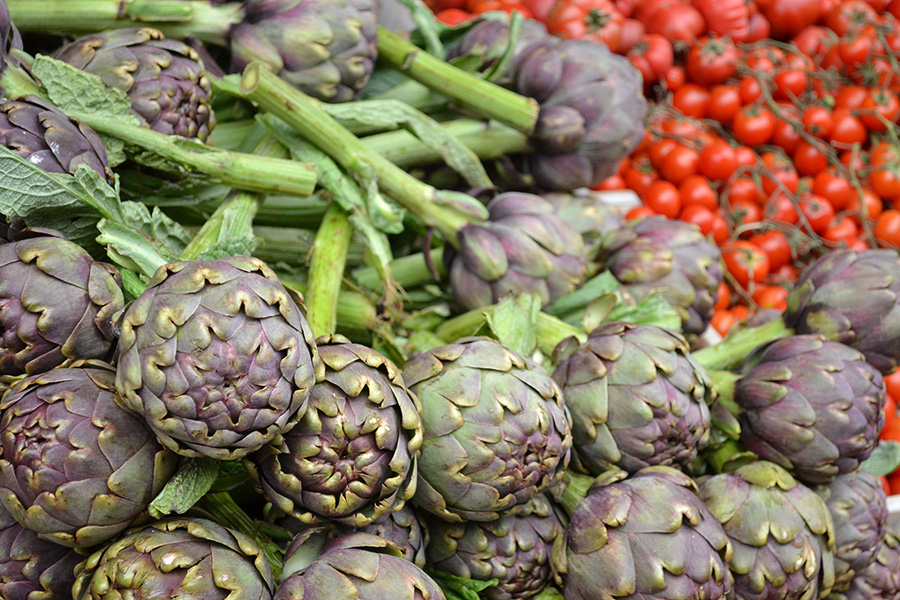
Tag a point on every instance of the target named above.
point(496, 430)
point(523, 248)
point(325, 49)
point(881, 579)
point(858, 507)
point(850, 296)
point(669, 257)
point(56, 303)
point(217, 357)
point(814, 407)
point(636, 397)
point(522, 551)
point(352, 456)
point(164, 78)
point(644, 538)
point(590, 216)
point(781, 532)
point(76, 468)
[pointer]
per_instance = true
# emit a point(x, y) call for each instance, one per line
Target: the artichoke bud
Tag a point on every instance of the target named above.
point(560, 129)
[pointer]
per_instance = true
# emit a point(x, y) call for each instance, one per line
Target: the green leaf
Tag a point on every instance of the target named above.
point(132, 284)
point(550, 593)
point(571, 307)
point(459, 588)
point(236, 246)
point(513, 322)
point(157, 225)
point(653, 310)
point(131, 248)
point(193, 479)
point(884, 460)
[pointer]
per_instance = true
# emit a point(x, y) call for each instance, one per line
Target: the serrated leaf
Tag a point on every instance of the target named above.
point(193, 479)
point(570, 307)
point(157, 225)
point(131, 248)
point(455, 586)
point(513, 322)
point(236, 246)
point(884, 460)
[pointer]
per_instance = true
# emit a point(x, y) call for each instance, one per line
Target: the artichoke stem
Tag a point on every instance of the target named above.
point(740, 342)
point(486, 98)
point(575, 489)
point(724, 382)
point(409, 271)
point(727, 457)
point(356, 315)
point(326, 271)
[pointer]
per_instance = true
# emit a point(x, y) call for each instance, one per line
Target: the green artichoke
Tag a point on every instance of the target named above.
point(858, 507)
point(585, 210)
point(176, 558)
point(523, 248)
point(32, 568)
point(881, 579)
point(850, 296)
point(217, 357)
point(325, 49)
point(813, 406)
point(352, 456)
point(496, 430)
point(75, 467)
point(56, 303)
point(522, 551)
point(672, 258)
point(359, 566)
point(636, 396)
point(781, 531)
point(646, 537)
point(164, 78)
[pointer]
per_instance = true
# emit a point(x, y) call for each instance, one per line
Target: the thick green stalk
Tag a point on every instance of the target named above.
point(731, 352)
point(326, 270)
point(356, 315)
point(486, 98)
point(407, 271)
point(575, 489)
point(724, 382)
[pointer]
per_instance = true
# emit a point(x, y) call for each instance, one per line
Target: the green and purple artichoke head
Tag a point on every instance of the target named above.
point(671, 258)
point(648, 536)
point(850, 296)
point(781, 532)
point(881, 579)
point(56, 302)
point(216, 356)
point(586, 211)
point(497, 431)
point(9, 36)
point(636, 397)
point(488, 39)
point(327, 49)
point(522, 551)
point(524, 247)
point(813, 406)
point(76, 468)
point(164, 78)
point(176, 558)
point(352, 457)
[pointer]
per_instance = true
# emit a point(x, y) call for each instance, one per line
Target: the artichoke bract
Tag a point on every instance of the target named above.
point(163, 78)
point(858, 507)
point(813, 406)
point(359, 566)
point(216, 356)
point(590, 216)
point(32, 568)
point(636, 397)
point(497, 431)
point(646, 537)
point(76, 468)
point(352, 456)
point(522, 551)
point(522, 248)
point(669, 257)
point(56, 303)
point(781, 531)
point(325, 49)
point(850, 296)
point(881, 579)
point(176, 558)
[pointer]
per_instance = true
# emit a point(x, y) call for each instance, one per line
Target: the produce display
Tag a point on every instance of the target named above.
point(532, 299)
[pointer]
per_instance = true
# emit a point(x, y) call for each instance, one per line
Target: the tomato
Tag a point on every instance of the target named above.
point(851, 96)
point(849, 16)
point(786, 136)
point(750, 89)
point(771, 296)
point(894, 479)
point(652, 56)
point(879, 108)
point(720, 230)
point(745, 212)
point(699, 215)
point(745, 189)
point(812, 41)
point(718, 161)
point(776, 246)
point(894, 8)
point(781, 208)
point(632, 32)
point(680, 22)
point(892, 384)
point(834, 188)
point(659, 149)
point(692, 100)
point(887, 227)
point(808, 159)
point(723, 296)
point(817, 211)
point(842, 229)
point(507, 6)
point(745, 156)
point(890, 409)
point(790, 83)
point(453, 16)
point(758, 28)
point(674, 77)
point(725, 17)
point(541, 8)
point(848, 129)
point(596, 20)
point(854, 50)
point(638, 180)
point(818, 121)
point(746, 262)
point(885, 180)
point(679, 164)
point(885, 485)
point(789, 17)
point(754, 125)
point(644, 10)
point(722, 321)
point(696, 190)
point(663, 197)
point(639, 212)
point(779, 174)
point(712, 60)
point(869, 208)
point(724, 102)
point(613, 182)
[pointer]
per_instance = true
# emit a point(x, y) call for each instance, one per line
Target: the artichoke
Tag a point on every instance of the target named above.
point(522, 551)
point(217, 357)
point(496, 430)
point(56, 303)
point(325, 49)
point(75, 467)
point(781, 531)
point(850, 296)
point(881, 579)
point(646, 537)
point(359, 566)
point(858, 507)
point(32, 568)
point(176, 558)
point(352, 457)
point(672, 258)
point(523, 248)
point(43, 135)
point(813, 406)
point(163, 78)
point(636, 396)
point(585, 211)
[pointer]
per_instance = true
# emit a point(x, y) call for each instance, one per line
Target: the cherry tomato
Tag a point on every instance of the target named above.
point(723, 296)
point(818, 121)
point(851, 96)
point(833, 187)
point(632, 32)
point(786, 136)
point(808, 159)
point(758, 27)
point(679, 164)
point(817, 211)
point(850, 15)
point(754, 125)
point(870, 208)
point(746, 262)
point(890, 411)
point(788, 17)
point(790, 83)
point(663, 197)
point(453, 16)
point(652, 56)
point(771, 296)
point(776, 246)
point(841, 229)
point(718, 161)
point(674, 77)
point(750, 89)
point(892, 384)
point(781, 208)
point(692, 100)
point(722, 321)
point(848, 129)
point(724, 102)
point(613, 182)
point(720, 230)
point(745, 212)
point(639, 212)
point(878, 109)
point(712, 60)
point(680, 23)
point(696, 190)
point(744, 189)
point(596, 20)
point(659, 150)
point(725, 17)
point(638, 180)
point(887, 227)
point(745, 156)
point(699, 215)
point(779, 174)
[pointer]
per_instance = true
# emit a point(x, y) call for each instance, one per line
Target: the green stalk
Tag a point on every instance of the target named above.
point(326, 270)
point(575, 490)
point(356, 315)
point(486, 98)
point(549, 330)
point(731, 352)
point(724, 382)
point(407, 271)
point(292, 245)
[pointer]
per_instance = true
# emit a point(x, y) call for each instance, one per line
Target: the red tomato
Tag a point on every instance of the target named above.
point(745, 156)
point(790, 83)
point(632, 32)
point(842, 229)
point(834, 188)
point(679, 164)
point(722, 321)
point(754, 125)
point(894, 479)
point(817, 211)
point(507, 6)
point(758, 28)
point(808, 159)
point(596, 20)
point(771, 296)
point(613, 182)
point(870, 209)
point(718, 161)
point(885, 485)
point(723, 296)
point(878, 109)
point(887, 227)
point(652, 56)
point(849, 16)
point(745, 212)
point(818, 121)
point(745, 262)
point(788, 17)
point(638, 180)
point(680, 23)
point(725, 17)
point(745, 189)
point(644, 10)
point(720, 230)
point(786, 136)
point(779, 173)
point(695, 190)
point(781, 208)
point(848, 129)
point(540, 8)
point(750, 89)
point(885, 176)
point(639, 212)
point(712, 60)
point(674, 77)
point(851, 96)
point(659, 149)
point(453, 16)
point(724, 102)
point(699, 215)
point(776, 246)
point(812, 41)
point(663, 198)
point(692, 100)
point(894, 8)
